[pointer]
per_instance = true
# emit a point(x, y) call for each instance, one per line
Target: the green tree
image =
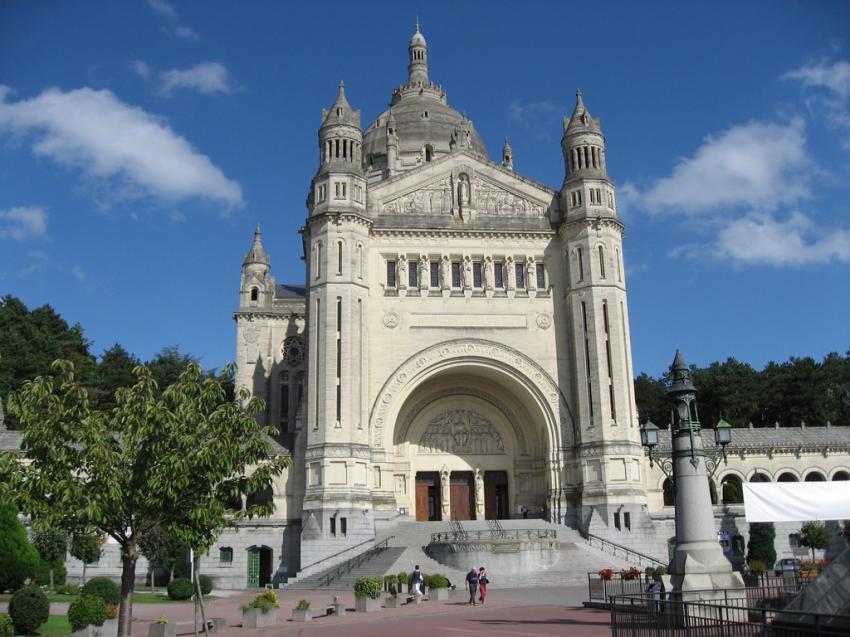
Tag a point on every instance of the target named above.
point(168, 364)
point(138, 466)
point(51, 543)
point(651, 400)
point(115, 370)
point(18, 558)
point(814, 535)
point(162, 548)
point(31, 339)
point(87, 547)
point(761, 544)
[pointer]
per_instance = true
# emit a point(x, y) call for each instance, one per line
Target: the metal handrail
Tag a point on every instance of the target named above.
point(641, 556)
point(356, 561)
point(491, 534)
point(338, 553)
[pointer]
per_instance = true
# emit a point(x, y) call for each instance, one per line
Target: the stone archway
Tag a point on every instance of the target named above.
point(469, 414)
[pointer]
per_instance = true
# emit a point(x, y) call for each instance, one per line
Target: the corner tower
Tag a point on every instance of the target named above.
point(338, 501)
point(605, 476)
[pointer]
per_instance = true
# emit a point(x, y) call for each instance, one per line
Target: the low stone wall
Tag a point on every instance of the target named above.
point(500, 555)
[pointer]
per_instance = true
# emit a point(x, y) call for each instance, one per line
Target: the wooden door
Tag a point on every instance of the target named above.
point(495, 495)
point(427, 496)
point(421, 501)
point(462, 495)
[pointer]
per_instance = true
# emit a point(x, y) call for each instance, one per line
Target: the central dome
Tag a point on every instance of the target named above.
point(425, 126)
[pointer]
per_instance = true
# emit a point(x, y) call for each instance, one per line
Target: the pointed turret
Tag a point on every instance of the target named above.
point(417, 69)
point(507, 156)
point(681, 372)
point(581, 119)
point(257, 254)
point(257, 286)
point(340, 112)
point(340, 136)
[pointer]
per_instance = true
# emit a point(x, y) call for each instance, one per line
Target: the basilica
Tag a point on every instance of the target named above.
point(459, 349)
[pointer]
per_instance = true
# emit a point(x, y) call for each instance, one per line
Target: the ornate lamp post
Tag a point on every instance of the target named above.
point(698, 562)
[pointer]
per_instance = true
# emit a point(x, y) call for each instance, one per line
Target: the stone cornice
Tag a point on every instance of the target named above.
point(594, 222)
point(463, 233)
point(267, 314)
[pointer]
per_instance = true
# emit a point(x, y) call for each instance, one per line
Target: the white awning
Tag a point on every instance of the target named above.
point(796, 501)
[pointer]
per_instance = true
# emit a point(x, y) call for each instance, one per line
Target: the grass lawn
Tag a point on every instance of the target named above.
point(138, 598)
point(55, 626)
point(51, 597)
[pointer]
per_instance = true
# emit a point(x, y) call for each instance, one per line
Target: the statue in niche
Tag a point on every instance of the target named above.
point(463, 191)
point(530, 275)
point(509, 264)
point(446, 273)
point(424, 272)
point(479, 491)
point(467, 274)
point(402, 272)
point(489, 278)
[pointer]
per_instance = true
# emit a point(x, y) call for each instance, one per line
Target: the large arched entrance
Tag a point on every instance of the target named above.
point(472, 434)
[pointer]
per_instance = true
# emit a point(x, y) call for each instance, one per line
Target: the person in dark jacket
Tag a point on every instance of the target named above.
point(472, 585)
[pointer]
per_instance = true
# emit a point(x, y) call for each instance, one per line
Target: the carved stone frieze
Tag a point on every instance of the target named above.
point(491, 199)
point(434, 198)
point(461, 431)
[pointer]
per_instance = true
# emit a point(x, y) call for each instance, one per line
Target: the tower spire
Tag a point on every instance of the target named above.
point(417, 69)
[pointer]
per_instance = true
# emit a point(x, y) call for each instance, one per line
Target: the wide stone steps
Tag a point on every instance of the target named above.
point(377, 566)
point(407, 542)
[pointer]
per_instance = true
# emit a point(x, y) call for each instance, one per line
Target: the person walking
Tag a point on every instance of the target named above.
point(472, 584)
point(417, 578)
point(482, 584)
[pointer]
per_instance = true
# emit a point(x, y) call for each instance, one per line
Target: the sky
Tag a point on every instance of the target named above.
point(141, 142)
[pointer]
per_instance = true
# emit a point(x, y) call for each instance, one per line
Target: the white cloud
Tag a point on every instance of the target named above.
point(758, 165)
point(834, 77)
point(186, 33)
point(167, 11)
point(762, 239)
point(109, 139)
point(23, 222)
point(78, 272)
point(163, 8)
point(140, 68)
point(539, 118)
point(207, 78)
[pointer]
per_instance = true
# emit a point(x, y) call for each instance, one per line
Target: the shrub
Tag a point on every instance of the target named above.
point(390, 580)
point(438, 581)
point(67, 589)
point(404, 578)
point(206, 583)
point(86, 610)
point(757, 567)
point(43, 570)
point(104, 588)
point(28, 609)
point(6, 628)
point(265, 601)
point(426, 581)
point(303, 605)
point(180, 588)
point(18, 558)
point(111, 611)
point(761, 543)
point(393, 591)
point(367, 587)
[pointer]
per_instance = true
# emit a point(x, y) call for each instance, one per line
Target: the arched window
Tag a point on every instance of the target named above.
point(601, 262)
point(429, 151)
point(787, 477)
point(815, 476)
point(580, 259)
point(669, 494)
point(318, 260)
point(733, 492)
point(760, 477)
point(841, 475)
point(255, 294)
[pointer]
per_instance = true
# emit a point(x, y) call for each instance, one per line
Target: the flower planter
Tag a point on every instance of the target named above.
point(339, 609)
point(110, 628)
point(98, 631)
point(438, 593)
point(255, 618)
point(302, 615)
point(162, 630)
point(392, 602)
point(366, 605)
point(417, 599)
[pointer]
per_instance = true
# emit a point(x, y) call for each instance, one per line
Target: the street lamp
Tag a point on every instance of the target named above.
point(698, 562)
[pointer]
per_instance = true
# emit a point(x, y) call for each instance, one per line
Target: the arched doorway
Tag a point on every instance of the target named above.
point(259, 566)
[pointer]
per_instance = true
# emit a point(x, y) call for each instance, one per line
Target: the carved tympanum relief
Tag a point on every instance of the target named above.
point(459, 431)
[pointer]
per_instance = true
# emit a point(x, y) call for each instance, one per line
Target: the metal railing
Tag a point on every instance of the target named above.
point(337, 554)
point(729, 614)
point(457, 528)
point(496, 528)
point(349, 565)
point(489, 534)
point(630, 554)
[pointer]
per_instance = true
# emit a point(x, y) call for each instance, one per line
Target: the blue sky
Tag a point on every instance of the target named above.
point(141, 141)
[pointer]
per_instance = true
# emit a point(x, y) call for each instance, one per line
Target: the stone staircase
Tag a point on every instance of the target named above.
point(407, 541)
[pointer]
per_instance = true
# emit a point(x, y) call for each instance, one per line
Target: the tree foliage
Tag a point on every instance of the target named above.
point(170, 458)
point(798, 390)
point(761, 544)
point(18, 558)
point(87, 547)
point(814, 535)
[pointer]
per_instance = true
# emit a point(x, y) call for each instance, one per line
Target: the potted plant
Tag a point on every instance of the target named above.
point(161, 628)
point(86, 615)
point(606, 573)
point(393, 600)
point(261, 612)
point(404, 582)
point(426, 584)
point(390, 580)
point(367, 590)
point(630, 573)
point(302, 612)
point(339, 607)
point(439, 587)
point(110, 626)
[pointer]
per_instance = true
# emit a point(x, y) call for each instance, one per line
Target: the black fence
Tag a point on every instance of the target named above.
point(732, 613)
